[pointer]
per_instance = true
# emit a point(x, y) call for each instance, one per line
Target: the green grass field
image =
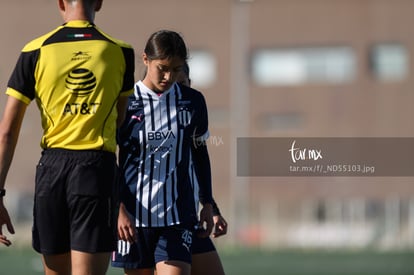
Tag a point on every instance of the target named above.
point(15, 261)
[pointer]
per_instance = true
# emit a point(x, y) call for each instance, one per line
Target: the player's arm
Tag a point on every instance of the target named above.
point(126, 227)
point(121, 109)
point(9, 132)
point(203, 170)
point(125, 224)
point(220, 224)
point(201, 162)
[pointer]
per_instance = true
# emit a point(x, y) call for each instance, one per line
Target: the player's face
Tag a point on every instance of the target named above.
point(161, 73)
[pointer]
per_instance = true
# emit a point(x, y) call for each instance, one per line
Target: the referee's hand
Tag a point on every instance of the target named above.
point(5, 220)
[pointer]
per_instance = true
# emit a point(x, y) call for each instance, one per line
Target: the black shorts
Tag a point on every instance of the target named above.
point(74, 207)
point(154, 245)
point(202, 245)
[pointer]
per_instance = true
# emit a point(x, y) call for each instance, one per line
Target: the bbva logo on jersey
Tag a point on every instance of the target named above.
point(158, 135)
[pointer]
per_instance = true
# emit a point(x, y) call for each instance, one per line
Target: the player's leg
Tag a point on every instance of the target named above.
point(57, 264)
point(142, 271)
point(173, 251)
point(206, 264)
point(173, 268)
point(137, 258)
point(205, 259)
point(89, 263)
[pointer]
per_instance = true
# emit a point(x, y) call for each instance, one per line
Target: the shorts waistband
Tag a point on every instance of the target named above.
point(76, 153)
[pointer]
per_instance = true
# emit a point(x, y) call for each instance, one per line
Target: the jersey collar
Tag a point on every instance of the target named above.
point(78, 24)
point(147, 90)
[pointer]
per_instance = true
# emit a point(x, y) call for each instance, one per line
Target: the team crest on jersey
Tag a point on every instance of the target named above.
point(184, 116)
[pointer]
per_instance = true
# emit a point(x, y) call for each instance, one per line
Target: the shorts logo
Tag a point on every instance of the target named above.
point(187, 237)
point(123, 247)
point(81, 82)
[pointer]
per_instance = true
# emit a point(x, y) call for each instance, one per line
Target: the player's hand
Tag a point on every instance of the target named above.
point(5, 220)
point(126, 228)
point(220, 226)
point(206, 221)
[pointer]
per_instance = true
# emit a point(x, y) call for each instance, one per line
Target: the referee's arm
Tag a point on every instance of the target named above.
point(10, 126)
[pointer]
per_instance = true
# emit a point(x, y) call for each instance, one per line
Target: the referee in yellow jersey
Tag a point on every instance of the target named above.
point(80, 78)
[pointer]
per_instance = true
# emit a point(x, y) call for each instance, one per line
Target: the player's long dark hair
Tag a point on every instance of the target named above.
point(166, 44)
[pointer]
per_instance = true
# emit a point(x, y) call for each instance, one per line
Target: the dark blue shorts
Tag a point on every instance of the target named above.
point(202, 245)
point(74, 207)
point(154, 245)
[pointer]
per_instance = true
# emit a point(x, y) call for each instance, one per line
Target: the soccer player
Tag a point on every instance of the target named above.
point(80, 78)
point(164, 133)
point(205, 259)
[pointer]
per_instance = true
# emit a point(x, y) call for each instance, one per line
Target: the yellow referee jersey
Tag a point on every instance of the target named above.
point(76, 73)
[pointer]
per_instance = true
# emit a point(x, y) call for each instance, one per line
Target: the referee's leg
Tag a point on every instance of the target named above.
point(76, 263)
point(58, 264)
point(89, 263)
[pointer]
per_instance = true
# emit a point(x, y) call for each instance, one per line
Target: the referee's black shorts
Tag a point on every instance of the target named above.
point(74, 202)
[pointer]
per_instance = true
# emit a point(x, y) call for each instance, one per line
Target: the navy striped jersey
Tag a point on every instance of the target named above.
point(155, 145)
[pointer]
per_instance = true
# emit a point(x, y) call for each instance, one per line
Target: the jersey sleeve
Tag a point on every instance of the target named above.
point(203, 171)
point(201, 133)
point(199, 149)
point(129, 80)
point(22, 82)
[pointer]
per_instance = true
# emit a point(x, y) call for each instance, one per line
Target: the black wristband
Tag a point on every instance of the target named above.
point(2, 192)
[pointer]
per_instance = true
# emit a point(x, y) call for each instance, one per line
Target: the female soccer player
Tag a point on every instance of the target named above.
point(163, 135)
point(205, 259)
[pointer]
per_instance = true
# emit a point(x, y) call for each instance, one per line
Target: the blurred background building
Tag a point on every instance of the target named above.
point(268, 68)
